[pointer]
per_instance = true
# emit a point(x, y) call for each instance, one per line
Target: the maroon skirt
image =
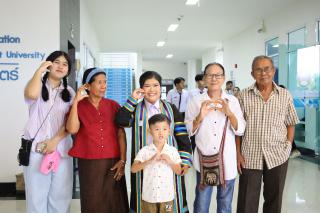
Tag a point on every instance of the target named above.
point(99, 191)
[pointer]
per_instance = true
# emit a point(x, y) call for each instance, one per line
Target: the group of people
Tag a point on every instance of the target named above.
point(252, 133)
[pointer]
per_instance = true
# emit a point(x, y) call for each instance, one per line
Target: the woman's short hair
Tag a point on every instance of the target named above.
point(212, 64)
point(148, 75)
point(87, 72)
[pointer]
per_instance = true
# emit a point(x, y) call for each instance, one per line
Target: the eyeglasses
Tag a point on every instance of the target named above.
point(216, 76)
point(264, 69)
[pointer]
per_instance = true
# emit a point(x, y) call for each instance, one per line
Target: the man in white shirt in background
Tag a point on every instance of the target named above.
point(197, 91)
point(178, 95)
point(229, 87)
point(206, 117)
point(200, 86)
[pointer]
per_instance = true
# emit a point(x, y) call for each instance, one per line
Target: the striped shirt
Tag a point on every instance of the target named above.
point(38, 110)
point(265, 137)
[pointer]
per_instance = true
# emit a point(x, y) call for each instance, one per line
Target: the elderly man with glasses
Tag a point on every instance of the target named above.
point(265, 148)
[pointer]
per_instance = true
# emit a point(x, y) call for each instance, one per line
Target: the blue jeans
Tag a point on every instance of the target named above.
point(203, 197)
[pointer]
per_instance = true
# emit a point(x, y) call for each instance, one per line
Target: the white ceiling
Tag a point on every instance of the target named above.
point(137, 25)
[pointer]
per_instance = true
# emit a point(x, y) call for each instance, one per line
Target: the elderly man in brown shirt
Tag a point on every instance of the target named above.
point(266, 144)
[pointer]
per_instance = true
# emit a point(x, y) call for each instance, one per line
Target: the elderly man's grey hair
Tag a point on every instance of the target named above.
point(260, 57)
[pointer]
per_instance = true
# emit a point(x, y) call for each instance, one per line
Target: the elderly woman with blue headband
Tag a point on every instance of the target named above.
point(99, 145)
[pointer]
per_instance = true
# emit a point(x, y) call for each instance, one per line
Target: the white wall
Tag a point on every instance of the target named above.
point(208, 57)
point(166, 68)
point(214, 54)
point(242, 48)
point(87, 36)
point(37, 25)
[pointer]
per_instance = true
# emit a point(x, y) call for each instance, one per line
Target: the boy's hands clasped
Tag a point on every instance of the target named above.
point(158, 157)
point(166, 158)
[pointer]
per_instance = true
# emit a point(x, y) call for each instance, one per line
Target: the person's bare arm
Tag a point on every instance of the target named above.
point(290, 133)
point(176, 167)
point(120, 165)
point(33, 88)
point(240, 158)
point(73, 123)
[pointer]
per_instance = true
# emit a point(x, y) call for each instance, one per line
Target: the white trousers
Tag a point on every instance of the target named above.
point(51, 193)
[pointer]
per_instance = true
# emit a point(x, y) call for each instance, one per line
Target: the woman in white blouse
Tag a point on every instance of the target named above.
point(206, 116)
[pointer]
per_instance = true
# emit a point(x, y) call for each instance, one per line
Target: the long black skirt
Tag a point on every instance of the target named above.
point(99, 191)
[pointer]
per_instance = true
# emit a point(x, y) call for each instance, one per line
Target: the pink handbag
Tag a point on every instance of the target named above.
point(50, 162)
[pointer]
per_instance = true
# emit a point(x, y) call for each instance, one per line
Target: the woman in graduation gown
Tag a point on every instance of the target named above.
point(135, 114)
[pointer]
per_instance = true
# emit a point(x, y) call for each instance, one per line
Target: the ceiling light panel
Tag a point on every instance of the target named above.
point(192, 2)
point(160, 43)
point(173, 27)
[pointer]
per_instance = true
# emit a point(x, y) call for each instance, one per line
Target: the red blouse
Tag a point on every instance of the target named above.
point(98, 133)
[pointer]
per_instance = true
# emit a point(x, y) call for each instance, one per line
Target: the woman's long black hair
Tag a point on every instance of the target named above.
point(65, 94)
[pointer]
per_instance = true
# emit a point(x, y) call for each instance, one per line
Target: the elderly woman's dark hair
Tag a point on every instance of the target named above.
point(148, 75)
point(65, 94)
point(87, 72)
point(212, 64)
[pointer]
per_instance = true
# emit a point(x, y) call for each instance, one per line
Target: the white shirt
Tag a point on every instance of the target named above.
point(230, 92)
point(158, 176)
point(152, 109)
point(196, 91)
point(209, 134)
point(174, 97)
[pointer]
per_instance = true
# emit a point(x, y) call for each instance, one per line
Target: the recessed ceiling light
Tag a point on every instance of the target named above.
point(173, 27)
point(275, 45)
point(160, 43)
point(169, 56)
point(191, 2)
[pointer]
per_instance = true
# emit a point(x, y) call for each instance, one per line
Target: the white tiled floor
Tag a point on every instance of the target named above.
point(301, 195)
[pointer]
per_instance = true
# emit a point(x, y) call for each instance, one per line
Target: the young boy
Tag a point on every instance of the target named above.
point(158, 161)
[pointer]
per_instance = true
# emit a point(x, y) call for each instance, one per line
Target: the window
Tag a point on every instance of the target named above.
point(296, 40)
point(272, 50)
point(318, 32)
point(89, 62)
point(272, 47)
point(119, 67)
